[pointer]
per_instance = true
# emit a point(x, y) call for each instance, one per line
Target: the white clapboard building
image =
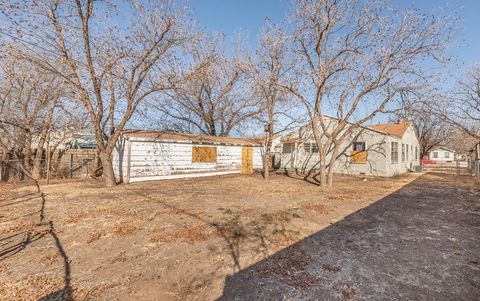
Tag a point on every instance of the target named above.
point(152, 155)
point(376, 150)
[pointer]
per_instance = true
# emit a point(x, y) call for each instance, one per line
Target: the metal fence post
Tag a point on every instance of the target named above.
point(71, 165)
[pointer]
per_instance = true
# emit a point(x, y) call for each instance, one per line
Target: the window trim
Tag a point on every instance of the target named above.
point(392, 152)
point(362, 143)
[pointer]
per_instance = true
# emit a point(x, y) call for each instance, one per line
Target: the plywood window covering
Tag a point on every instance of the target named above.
point(359, 153)
point(394, 152)
point(204, 154)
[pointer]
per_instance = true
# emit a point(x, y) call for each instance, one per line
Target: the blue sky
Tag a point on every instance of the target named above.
point(228, 16)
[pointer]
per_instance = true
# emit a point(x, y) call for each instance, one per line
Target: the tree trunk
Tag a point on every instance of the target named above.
point(37, 163)
point(322, 169)
point(331, 166)
point(96, 162)
point(3, 166)
point(266, 162)
point(107, 165)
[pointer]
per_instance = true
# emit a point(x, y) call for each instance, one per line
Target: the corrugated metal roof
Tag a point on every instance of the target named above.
point(188, 137)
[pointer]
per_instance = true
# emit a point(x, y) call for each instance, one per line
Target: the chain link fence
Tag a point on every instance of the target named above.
point(474, 166)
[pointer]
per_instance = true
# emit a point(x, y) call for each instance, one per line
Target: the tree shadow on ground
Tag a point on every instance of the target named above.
point(234, 233)
point(420, 242)
point(42, 229)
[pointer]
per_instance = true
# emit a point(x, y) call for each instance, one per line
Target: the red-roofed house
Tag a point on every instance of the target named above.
point(376, 150)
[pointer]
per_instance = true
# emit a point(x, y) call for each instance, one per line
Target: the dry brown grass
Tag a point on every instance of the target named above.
point(120, 257)
point(317, 207)
point(340, 197)
point(94, 237)
point(74, 217)
point(126, 241)
point(189, 234)
point(49, 258)
point(124, 230)
point(31, 287)
point(23, 226)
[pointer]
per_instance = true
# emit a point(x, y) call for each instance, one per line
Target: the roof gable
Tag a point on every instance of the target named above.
point(395, 129)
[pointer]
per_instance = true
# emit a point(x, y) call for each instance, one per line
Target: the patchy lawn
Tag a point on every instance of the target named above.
point(163, 240)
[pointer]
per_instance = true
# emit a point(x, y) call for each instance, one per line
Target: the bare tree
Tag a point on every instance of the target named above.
point(352, 58)
point(113, 57)
point(33, 104)
point(210, 95)
point(416, 107)
point(462, 108)
point(268, 72)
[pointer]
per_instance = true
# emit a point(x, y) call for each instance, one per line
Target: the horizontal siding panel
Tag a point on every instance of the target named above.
point(157, 159)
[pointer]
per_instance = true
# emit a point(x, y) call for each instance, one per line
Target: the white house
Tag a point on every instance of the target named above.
point(378, 150)
point(152, 155)
point(442, 154)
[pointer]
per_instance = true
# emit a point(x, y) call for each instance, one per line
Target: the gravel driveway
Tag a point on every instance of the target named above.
point(419, 243)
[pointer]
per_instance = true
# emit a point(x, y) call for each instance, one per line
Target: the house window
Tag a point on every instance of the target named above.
point(435, 155)
point(310, 147)
point(359, 146)
point(394, 152)
point(447, 155)
point(403, 152)
point(287, 148)
point(306, 147)
point(406, 152)
point(416, 153)
point(203, 154)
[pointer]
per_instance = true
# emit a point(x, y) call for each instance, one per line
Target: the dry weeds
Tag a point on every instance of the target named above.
point(189, 234)
point(317, 207)
point(125, 229)
point(214, 220)
point(94, 237)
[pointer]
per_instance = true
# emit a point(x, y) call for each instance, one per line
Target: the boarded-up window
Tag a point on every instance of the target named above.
point(204, 154)
point(359, 156)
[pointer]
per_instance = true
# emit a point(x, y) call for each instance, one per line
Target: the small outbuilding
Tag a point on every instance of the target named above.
point(153, 155)
point(442, 154)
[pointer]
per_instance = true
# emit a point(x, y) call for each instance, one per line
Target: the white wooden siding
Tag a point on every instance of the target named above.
point(151, 160)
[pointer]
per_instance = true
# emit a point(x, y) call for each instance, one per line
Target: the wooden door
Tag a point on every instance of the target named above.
point(247, 160)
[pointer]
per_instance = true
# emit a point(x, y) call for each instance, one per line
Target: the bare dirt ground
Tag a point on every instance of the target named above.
point(420, 243)
point(167, 240)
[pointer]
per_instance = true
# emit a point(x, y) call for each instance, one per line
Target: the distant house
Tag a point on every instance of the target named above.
point(152, 155)
point(441, 154)
point(64, 140)
point(378, 150)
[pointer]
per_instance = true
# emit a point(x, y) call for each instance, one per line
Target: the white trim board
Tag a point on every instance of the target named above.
point(183, 176)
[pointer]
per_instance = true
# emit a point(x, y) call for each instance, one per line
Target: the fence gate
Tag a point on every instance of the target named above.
point(247, 160)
